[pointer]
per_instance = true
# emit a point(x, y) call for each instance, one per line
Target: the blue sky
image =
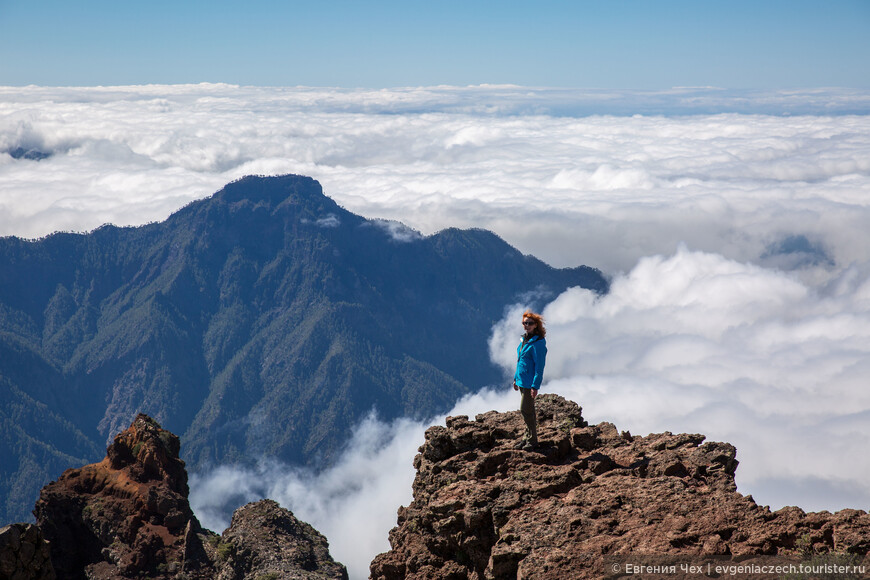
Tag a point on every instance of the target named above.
point(592, 44)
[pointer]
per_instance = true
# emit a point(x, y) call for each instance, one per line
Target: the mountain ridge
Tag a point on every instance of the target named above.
point(261, 321)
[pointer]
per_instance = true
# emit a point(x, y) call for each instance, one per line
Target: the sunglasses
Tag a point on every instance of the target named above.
point(528, 322)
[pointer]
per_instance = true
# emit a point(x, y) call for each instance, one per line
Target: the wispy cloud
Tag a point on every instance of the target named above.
point(353, 503)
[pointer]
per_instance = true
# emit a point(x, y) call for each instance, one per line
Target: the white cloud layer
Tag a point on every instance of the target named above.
point(737, 237)
point(533, 166)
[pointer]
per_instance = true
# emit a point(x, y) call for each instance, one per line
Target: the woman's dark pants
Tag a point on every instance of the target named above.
point(527, 408)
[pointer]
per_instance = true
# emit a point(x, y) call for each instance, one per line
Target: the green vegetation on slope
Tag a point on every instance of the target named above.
point(263, 321)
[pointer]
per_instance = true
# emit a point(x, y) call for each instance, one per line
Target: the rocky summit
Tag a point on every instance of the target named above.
point(125, 515)
point(128, 516)
point(594, 502)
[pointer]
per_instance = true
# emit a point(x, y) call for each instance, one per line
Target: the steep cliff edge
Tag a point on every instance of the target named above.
point(128, 516)
point(586, 501)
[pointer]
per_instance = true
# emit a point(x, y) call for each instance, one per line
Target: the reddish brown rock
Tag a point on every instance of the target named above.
point(129, 517)
point(126, 516)
point(589, 502)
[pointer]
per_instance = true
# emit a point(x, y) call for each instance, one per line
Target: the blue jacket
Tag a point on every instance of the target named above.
point(531, 357)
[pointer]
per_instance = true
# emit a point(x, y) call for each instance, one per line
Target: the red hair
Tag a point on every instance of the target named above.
point(539, 323)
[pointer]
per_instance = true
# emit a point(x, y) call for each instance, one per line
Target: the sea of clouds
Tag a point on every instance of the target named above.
point(735, 228)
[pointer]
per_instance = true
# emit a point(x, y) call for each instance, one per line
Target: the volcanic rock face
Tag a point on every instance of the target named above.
point(129, 517)
point(483, 509)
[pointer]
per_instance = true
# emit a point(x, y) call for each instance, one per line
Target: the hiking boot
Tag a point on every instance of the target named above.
point(529, 446)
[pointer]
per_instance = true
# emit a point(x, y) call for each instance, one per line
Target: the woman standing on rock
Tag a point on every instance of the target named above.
point(531, 357)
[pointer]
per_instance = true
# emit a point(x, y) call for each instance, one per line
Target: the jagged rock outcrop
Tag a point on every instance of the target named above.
point(129, 517)
point(483, 509)
point(265, 540)
point(24, 554)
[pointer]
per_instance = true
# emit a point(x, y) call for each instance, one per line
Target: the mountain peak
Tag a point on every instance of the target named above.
point(91, 514)
point(150, 453)
point(274, 190)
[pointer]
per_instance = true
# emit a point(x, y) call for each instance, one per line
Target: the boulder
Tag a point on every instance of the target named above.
point(265, 540)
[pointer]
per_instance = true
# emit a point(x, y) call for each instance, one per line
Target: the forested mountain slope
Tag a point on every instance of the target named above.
point(263, 321)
